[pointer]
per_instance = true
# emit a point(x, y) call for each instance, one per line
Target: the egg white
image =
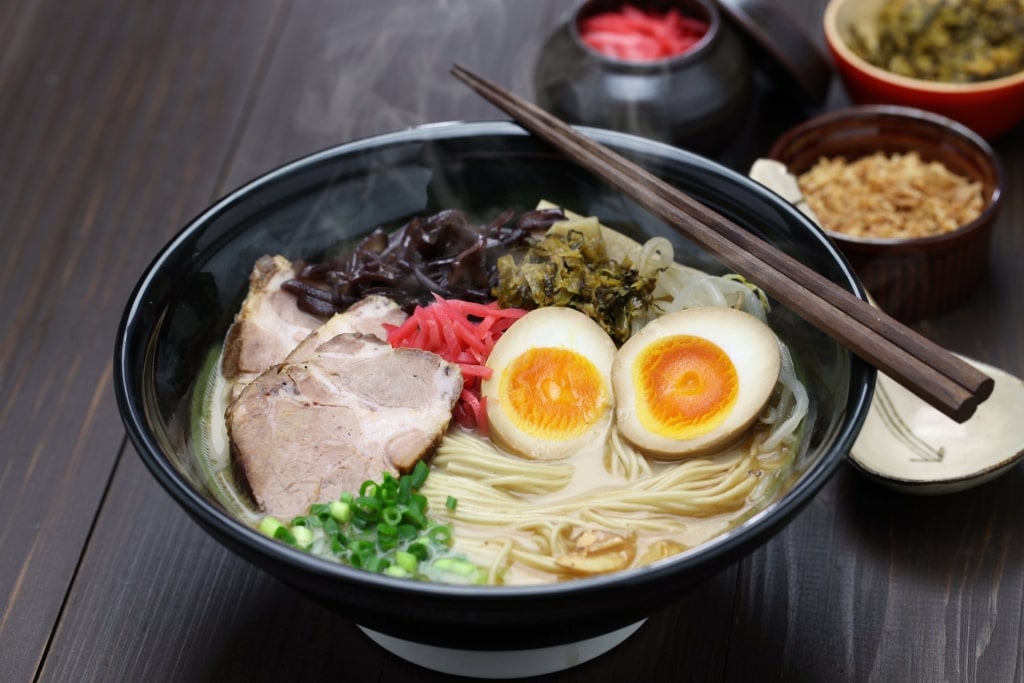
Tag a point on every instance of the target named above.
point(557, 328)
point(751, 346)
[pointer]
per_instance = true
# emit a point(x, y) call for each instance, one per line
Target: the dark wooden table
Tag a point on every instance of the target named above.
point(120, 120)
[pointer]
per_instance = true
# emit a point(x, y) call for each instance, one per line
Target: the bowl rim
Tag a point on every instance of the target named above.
point(843, 53)
point(248, 541)
point(899, 114)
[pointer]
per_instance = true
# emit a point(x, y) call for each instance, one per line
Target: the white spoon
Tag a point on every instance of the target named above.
point(908, 445)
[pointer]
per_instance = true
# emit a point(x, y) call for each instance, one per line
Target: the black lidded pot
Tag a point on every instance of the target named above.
point(697, 100)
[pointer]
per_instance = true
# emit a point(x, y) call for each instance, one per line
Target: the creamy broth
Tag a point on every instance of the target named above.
point(211, 434)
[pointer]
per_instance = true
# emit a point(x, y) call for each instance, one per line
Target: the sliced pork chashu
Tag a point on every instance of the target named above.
point(305, 431)
point(268, 325)
point(367, 316)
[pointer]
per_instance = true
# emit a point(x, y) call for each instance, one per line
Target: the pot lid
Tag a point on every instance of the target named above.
point(790, 55)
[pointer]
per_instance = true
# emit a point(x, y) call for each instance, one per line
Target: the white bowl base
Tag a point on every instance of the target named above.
point(495, 664)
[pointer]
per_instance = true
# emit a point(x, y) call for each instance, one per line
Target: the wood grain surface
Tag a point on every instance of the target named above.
point(121, 120)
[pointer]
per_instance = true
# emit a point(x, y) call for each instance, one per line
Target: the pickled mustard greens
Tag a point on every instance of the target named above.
point(571, 269)
point(961, 41)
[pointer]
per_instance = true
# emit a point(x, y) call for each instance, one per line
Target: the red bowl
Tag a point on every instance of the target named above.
point(990, 108)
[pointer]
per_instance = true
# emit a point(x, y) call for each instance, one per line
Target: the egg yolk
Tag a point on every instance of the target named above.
point(686, 386)
point(553, 393)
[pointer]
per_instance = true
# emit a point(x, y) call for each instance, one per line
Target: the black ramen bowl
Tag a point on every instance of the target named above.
point(178, 314)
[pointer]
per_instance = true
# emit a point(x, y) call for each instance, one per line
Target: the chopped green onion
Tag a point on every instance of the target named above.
point(283, 533)
point(419, 551)
point(440, 534)
point(391, 515)
point(303, 536)
point(404, 489)
point(270, 525)
point(406, 561)
point(337, 545)
point(396, 571)
point(419, 474)
point(463, 568)
point(376, 563)
point(415, 517)
point(387, 536)
point(367, 508)
point(384, 528)
point(340, 511)
point(362, 546)
point(330, 526)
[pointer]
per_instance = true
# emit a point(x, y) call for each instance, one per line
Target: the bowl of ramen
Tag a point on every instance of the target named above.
point(963, 60)
point(910, 197)
point(445, 373)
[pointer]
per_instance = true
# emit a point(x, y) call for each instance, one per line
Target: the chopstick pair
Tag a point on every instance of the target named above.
point(937, 376)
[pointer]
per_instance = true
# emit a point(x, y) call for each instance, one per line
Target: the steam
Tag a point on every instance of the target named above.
point(387, 69)
point(390, 71)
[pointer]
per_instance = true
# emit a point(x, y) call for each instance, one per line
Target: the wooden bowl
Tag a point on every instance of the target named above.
point(914, 278)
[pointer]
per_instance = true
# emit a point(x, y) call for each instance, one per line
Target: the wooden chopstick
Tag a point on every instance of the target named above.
point(937, 376)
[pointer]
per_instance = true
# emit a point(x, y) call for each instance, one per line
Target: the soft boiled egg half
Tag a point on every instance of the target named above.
point(693, 381)
point(549, 394)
